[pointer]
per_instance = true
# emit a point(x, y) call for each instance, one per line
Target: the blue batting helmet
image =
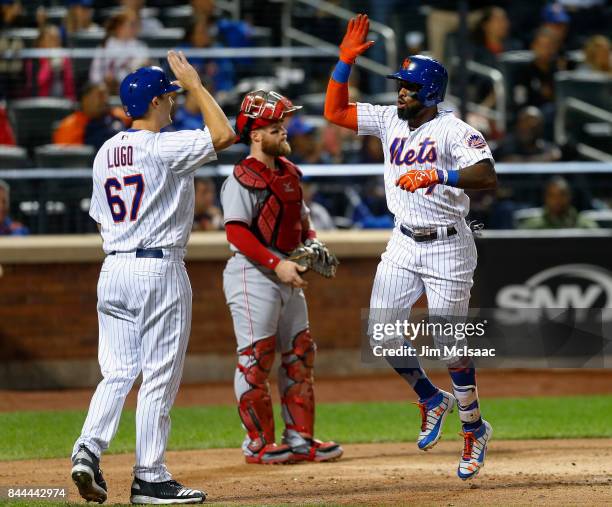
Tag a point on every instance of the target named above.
point(140, 87)
point(428, 73)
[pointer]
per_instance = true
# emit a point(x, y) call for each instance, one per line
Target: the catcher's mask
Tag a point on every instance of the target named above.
point(260, 108)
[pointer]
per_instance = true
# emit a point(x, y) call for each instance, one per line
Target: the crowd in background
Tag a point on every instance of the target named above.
point(566, 35)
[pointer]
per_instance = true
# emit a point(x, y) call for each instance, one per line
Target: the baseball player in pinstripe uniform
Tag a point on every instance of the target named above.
point(265, 219)
point(430, 158)
point(143, 202)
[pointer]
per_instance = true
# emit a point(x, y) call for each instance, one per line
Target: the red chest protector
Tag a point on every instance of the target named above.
point(279, 221)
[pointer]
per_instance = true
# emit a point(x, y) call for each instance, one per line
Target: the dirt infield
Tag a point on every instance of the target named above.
point(491, 383)
point(542, 472)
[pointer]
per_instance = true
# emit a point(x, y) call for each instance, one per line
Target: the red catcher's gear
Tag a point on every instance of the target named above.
point(255, 405)
point(260, 109)
point(278, 223)
point(298, 398)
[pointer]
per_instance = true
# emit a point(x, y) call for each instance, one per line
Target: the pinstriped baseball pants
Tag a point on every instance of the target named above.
point(442, 269)
point(144, 314)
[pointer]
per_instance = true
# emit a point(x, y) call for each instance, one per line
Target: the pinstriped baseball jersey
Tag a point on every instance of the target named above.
point(143, 197)
point(143, 192)
point(445, 142)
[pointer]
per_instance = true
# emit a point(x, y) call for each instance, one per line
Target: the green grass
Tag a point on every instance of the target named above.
point(26, 435)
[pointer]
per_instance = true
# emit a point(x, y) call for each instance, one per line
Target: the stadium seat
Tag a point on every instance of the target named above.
point(64, 157)
point(166, 38)
point(88, 39)
point(27, 35)
point(34, 118)
point(178, 17)
point(591, 87)
point(603, 217)
point(13, 157)
point(581, 125)
point(520, 216)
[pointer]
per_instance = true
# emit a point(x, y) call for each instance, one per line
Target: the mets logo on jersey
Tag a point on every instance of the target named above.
point(475, 141)
point(426, 152)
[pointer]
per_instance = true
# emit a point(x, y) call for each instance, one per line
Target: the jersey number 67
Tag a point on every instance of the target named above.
point(117, 205)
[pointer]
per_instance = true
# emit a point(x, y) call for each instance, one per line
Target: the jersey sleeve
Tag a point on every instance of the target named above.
point(186, 150)
point(468, 146)
point(371, 119)
point(238, 203)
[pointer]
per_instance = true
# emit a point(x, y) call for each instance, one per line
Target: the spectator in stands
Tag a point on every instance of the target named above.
point(207, 215)
point(217, 74)
point(11, 14)
point(148, 23)
point(556, 19)
point(558, 212)
point(7, 137)
point(202, 8)
point(490, 36)
point(49, 76)
point(443, 19)
point(597, 55)
point(536, 83)
point(228, 32)
point(319, 216)
point(94, 123)
point(8, 227)
point(489, 39)
point(79, 17)
point(305, 147)
point(188, 115)
point(526, 143)
point(121, 36)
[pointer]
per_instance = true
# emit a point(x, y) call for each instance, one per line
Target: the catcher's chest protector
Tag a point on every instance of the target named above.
point(279, 222)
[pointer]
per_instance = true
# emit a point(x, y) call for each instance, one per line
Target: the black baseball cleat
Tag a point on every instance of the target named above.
point(164, 493)
point(87, 476)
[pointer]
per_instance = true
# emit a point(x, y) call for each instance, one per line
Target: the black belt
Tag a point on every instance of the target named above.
point(154, 253)
point(426, 235)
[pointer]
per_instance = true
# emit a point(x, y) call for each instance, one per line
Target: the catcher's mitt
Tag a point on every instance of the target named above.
point(313, 254)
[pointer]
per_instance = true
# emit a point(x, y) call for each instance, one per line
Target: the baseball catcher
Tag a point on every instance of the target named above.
point(269, 230)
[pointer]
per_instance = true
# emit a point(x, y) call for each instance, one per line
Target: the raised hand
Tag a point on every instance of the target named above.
point(354, 42)
point(187, 77)
point(415, 179)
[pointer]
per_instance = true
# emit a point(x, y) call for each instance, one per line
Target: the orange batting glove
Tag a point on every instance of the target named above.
point(354, 42)
point(414, 179)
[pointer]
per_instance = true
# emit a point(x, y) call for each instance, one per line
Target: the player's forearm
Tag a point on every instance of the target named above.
point(480, 176)
point(338, 110)
point(247, 244)
point(221, 131)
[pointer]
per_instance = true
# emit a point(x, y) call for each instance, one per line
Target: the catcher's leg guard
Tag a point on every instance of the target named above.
point(255, 403)
point(298, 405)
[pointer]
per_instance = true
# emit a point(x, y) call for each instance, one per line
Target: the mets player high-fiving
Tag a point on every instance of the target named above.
point(143, 202)
point(430, 157)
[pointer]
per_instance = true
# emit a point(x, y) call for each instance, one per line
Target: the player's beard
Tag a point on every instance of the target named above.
point(282, 149)
point(408, 112)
